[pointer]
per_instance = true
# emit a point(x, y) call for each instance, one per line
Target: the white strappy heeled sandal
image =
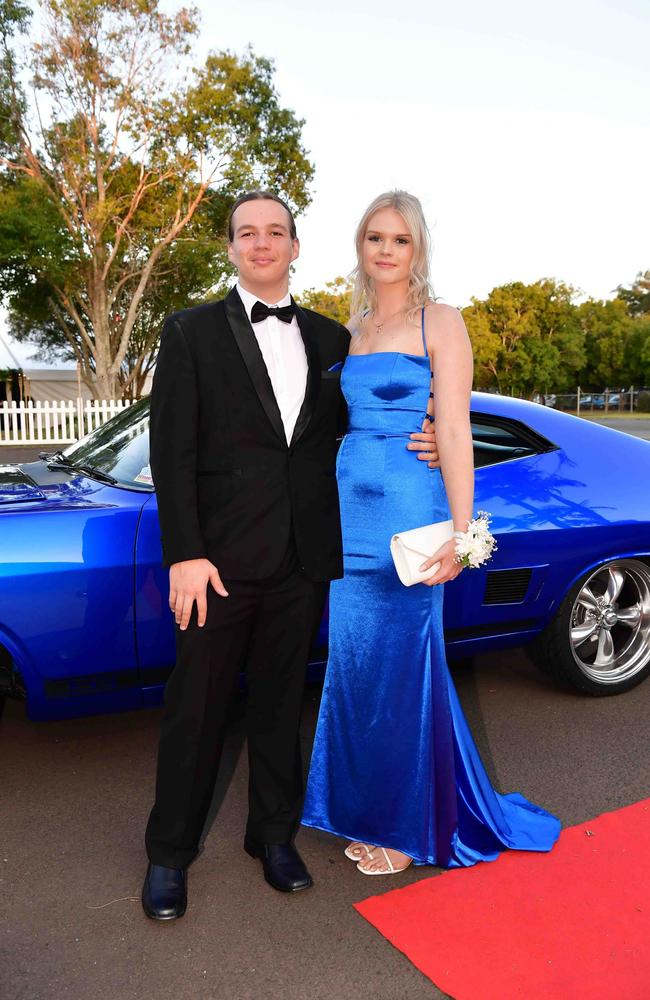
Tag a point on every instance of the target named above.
point(392, 870)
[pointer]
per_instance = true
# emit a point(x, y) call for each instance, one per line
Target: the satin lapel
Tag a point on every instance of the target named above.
point(313, 374)
point(250, 352)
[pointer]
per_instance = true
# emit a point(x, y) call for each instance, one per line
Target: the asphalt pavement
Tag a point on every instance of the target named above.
point(76, 796)
point(11, 454)
point(637, 426)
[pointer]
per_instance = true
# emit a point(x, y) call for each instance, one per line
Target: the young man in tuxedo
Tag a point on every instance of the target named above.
point(246, 408)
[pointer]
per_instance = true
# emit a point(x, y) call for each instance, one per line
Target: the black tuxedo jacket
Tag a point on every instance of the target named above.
point(229, 487)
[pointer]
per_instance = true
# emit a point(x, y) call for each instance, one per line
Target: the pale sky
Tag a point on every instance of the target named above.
point(524, 128)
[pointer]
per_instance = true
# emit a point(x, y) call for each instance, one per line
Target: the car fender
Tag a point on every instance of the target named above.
point(590, 567)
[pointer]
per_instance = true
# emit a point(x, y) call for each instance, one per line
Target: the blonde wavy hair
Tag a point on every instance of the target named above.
point(420, 290)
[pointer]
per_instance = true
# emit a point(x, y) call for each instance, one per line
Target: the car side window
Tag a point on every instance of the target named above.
point(499, 441)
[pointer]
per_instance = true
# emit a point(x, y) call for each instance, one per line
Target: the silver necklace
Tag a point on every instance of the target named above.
point(379, 326)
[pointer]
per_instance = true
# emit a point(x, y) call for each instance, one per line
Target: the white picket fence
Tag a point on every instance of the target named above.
point(59, 422)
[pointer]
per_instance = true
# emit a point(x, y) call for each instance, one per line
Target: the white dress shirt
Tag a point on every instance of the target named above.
point(284, 355)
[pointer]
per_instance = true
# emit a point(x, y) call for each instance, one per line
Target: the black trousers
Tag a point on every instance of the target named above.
point(267, 626)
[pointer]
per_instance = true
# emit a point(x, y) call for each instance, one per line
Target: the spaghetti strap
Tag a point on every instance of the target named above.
point(427, 416)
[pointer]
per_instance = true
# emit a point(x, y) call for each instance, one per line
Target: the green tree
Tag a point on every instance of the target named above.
point(617, 337)
point(333, 301)
point(637, 296)
point(526, 338)
point(609, 330)
point(639, 353)
point(14, 20)
point(637, 300)
point(486, 346)
point(119, 171)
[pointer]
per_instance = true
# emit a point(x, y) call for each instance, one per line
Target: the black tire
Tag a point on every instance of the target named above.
point(571, 662)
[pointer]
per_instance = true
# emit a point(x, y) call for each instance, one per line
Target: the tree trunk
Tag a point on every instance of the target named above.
point(105, 386)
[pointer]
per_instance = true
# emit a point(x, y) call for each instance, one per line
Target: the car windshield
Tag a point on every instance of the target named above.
point(119, 447)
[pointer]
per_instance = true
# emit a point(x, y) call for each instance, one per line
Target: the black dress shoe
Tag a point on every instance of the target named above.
point(284, 869)
point(164, 893)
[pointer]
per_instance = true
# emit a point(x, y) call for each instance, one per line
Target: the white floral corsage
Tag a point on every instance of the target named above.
point(475, 545)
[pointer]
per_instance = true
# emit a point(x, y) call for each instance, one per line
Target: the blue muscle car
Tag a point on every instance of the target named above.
point(84, 621)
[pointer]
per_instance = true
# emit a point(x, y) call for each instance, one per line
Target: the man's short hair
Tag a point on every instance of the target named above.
point(261, 196)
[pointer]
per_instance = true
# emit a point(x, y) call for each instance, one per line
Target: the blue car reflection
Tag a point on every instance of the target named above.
point(84, 620)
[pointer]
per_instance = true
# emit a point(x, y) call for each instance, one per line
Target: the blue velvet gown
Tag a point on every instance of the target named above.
point(394, 763)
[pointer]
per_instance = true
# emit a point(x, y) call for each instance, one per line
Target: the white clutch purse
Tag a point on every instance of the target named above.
point(409, 549)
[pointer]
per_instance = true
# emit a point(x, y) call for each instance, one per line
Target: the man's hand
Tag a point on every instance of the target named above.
point(425, 444)
point(188, 582)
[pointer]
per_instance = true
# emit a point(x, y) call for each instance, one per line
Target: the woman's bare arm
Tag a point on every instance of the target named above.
point(451, 351)
point(452, 386)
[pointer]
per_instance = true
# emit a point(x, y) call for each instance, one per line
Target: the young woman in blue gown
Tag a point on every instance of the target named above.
point(394, 767)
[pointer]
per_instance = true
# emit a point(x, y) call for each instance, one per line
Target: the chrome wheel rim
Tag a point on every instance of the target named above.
point(609, 627)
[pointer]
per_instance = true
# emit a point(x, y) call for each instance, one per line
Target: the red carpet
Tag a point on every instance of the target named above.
point(567, 925)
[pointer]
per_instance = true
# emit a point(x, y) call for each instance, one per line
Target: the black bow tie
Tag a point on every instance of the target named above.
point(260, 312)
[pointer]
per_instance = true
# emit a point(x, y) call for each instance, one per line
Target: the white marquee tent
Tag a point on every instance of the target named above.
point(38, 380)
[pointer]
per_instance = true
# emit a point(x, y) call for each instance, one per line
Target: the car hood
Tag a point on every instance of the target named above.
point(35, 485)
point(17, 487)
